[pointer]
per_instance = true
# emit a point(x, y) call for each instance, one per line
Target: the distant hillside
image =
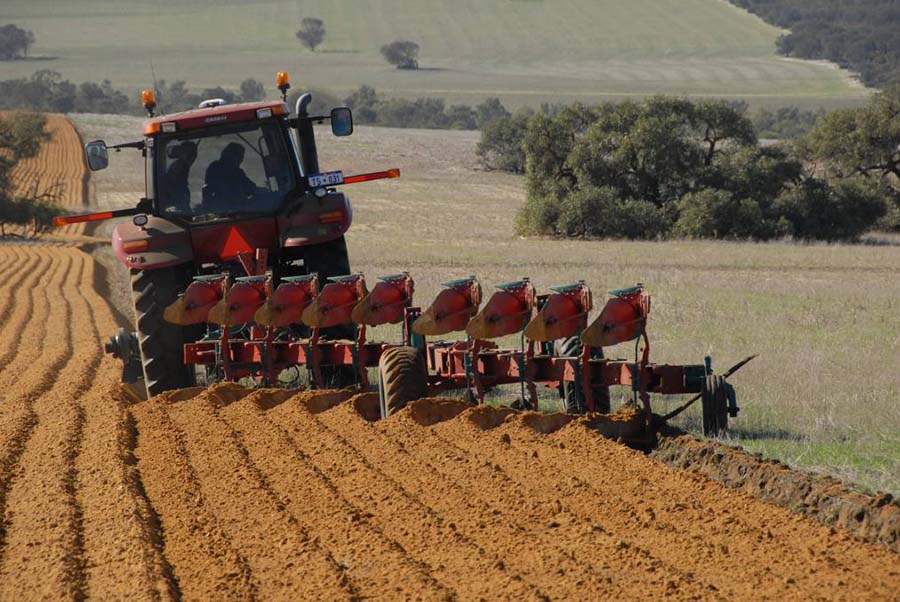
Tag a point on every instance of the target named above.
point(524, 51)
point(862, 35)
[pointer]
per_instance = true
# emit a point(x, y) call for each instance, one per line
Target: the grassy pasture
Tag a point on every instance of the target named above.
point(824, 393)
point(524, 51)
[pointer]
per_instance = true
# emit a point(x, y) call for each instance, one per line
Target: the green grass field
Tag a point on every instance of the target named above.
point(824, 393)
point(524, 51)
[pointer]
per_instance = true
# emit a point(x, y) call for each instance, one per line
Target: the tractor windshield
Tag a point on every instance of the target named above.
point(228, 171)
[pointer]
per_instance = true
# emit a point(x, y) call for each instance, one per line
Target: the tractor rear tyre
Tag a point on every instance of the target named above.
point(571, 394)
point(161, 343)
point(715, 405)
point(402, 377)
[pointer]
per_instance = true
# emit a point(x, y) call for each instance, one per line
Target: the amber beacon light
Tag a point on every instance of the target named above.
point(283, 83)
point(148, 99)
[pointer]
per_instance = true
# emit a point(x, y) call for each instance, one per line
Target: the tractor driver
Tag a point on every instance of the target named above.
point(176, 178)
point(227, 186)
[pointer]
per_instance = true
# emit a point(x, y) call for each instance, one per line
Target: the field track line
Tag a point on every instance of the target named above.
point(401, 512)
point(257, 522)
point(205, 562)
point(502, 515)
point(378, 566)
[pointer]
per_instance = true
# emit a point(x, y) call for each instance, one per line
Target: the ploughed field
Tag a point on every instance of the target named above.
point(231, 494)
point(228, 493)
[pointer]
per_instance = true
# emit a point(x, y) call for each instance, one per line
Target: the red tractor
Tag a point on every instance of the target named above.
point(232, 190)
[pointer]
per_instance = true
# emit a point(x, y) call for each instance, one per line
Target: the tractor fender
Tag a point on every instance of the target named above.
point(317, 220)
point(158, 244)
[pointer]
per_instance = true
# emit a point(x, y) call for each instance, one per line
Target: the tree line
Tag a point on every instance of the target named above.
point(21, 137)
point(860, 35)
point(669, 167)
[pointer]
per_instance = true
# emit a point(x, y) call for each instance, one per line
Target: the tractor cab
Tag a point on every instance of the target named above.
point(225, 179)
point(222, 161)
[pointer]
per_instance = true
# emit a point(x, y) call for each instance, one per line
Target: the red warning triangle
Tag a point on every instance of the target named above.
point(234, 243)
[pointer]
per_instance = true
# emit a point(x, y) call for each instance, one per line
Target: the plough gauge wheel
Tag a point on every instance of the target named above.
point(715, 405)
point(402, 377)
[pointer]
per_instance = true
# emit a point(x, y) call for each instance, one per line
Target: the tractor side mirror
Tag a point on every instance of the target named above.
point(341, 121)
point(97, 155)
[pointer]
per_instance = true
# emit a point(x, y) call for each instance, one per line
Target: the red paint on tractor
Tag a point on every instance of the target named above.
point(224, 242)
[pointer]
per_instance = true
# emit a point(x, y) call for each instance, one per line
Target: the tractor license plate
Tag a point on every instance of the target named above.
point(329, 178)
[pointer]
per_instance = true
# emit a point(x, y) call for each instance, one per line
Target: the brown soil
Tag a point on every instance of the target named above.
point(230, 494)
point(874, 518)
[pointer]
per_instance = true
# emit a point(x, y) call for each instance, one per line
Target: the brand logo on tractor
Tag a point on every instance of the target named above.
point(216, 118)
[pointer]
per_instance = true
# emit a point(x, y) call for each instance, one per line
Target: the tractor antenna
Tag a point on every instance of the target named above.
point(155, 84)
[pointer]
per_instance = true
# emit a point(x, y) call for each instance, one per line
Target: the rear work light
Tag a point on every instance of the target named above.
point(264, 113)
point(169, 127)
point(331, 217)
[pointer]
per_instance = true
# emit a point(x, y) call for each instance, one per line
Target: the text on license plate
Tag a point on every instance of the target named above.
point(329, 178)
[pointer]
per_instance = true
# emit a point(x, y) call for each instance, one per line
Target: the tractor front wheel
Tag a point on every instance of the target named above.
point(161, 343)
point(402, 378)
point(715, 405)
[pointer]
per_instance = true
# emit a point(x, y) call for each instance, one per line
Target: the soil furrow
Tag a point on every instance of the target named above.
point(206, 564)
point(588, 494)
point(17, 417)
point(11, 279)
point(290, 567)
point(41, 508)
point(778, 552)
point(402, 510)
point(12, 331)
point(123, 560)
point(512, 519)
point(587, 546)
point(379, 566)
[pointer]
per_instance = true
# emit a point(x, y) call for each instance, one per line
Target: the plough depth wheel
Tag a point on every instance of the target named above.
point(402, 378)
point(715, 405)
point(571, 394)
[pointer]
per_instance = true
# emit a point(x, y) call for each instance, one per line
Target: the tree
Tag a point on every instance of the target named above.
point(816, 210)
point(14, 42)
point(722, 122)
point(311, 33)
point(502, 142)
point(252, 90)
point(403, 54)
point(489, 111)
point(21, 137)
point(364, 103)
